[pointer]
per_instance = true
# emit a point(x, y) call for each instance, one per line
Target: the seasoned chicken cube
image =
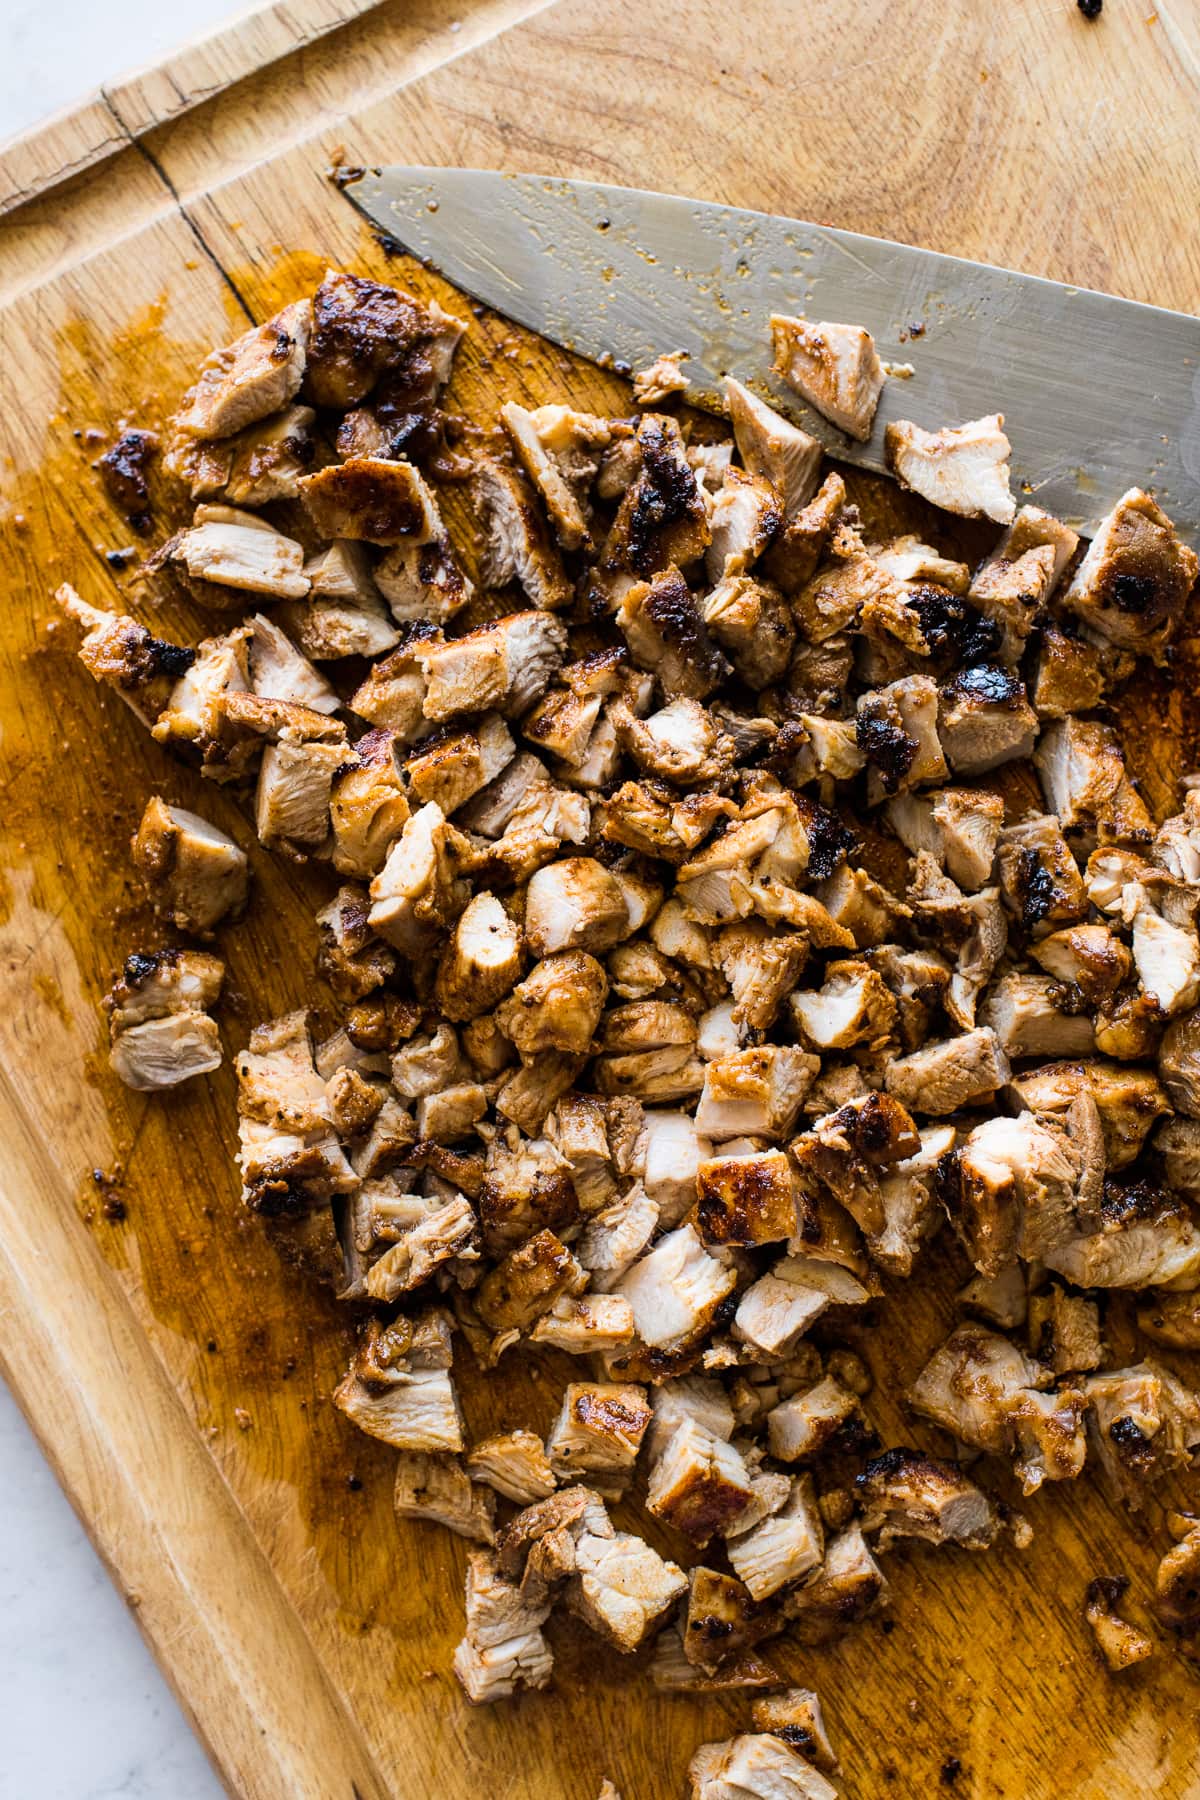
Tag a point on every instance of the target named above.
point(615, 1237)
point(598, 1433)
point(745, 1199)
point(503, 1649)
point(796, 1717)
point(417, 1409)
point(695, 1398)
point(559, 450)
point(453, 766)
point(527, 1283)
point(772, 447)
point(720, 1620)
point(860, 908)
point(963, 469)
point(1131, 588)
point(295, 779)
point(244, 382)
point(343, 614)
point(374, 500)
point(662, 518)
point(941, 1078)
point(587, 1323)
point(1011, 592)
point(266, 461)
point(897, 731)
point(1144, 1424)
point(159, 1029)
point(517, 545)
point(515, 1464)
point(842, 1591)
point(1179, 1064)
point(802, 1426)
point(278, 671)
point(575, 904)
point(843, 1155)
point(744, 518)
point(905, 1494)
point(1025, 1186)
point(752, 623)
point(834, 367)
point(698, 1482)
point(1167, 960)
point(680, 743)
point(1064, 1331)
point(419, 888)
point(558, 1005)
point(529, 1093)
point(238, 551)
point(666, 634)
point(959, 826)
point(143, 670)
point(422, 582)
point(757, 1092)
point(481, 960)
point(622, 1588)
point(1178, 1143)
point(675, 1289)
point(660, 379)
point(194, 873)
point(361, 329)
point(1088, 957)
point(1145, 1238)
point(780, 1549)
point(776, 1310)
point(1082, 770)
point(985, 719)
point(1119, 1643)
point(1177, 1580)
point(505, 665)
point(761, 1767)
point(1068, 678)
point(674, 1151)
point(853, 1007)
point(439, 1489)
point(368, 807)
point(1023, 1012)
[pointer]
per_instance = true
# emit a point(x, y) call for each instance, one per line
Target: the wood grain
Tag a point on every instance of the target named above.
point(177, 1374)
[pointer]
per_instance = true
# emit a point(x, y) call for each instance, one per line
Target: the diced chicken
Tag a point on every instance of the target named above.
point(673, 1154)
point(249, 379)
point(941, 1078)
point(1178, 1143)
point(698, 1482)
point(985, 719)
point(439, 1489)
point(1064, 1331)
point(419, 888)
point(1177, 1580)
point(755, 1768)
point(660, 379)
point(859, 906)
point(834, 367)
point(1144, 1425)
point(1144, 1238)
point(744, 518)
point(159, 1029)
point(1088, 957)
point(598, 1434)
point(559, 450)
point(622, 1588)
point(416, 1409)
point(585, 1324)
point(796, 1718)
point(614, 1238)
point(481, 960)
point(963, 469)
point(1167, 960)
point(1131, 588)
point(848, 1585)
point(1119, 1643)
point(897, 731)
point(1179, 1064)
point(422, 581)
point(905, 1494)
point(527, 1282)
point(295, 779)
point(362, 329)
point(782, 1548)
point(1129, 1100)
point(575, 904)
point(757, 1092)
point(143, 670)
point(843, 1155)
point(662, 517)
point(777, 1310)
point(853, 1007)
point(1023, 1012)
point(1025, 1186)
point(772, 447)
point(194, 873)
point(745, 1199)
point(278, 671)
point(1011, 591)
point(720, 1620)
point(752, 623)
point(503, 1649)
point(1082, 770)
point(517, 545)
point(959, 826)
point(666, 635)
point(240, 552)
point(505, 665)
point(801, 1427)
point(1069, 677)
point(675, 1289)
point(515, 1464)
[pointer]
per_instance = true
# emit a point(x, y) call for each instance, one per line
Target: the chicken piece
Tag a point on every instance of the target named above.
point(1000, 1299)
point(1082, 770)
point(674, 1150)
point(622, 1588)
point(1144, 1424)
point(1179, 1064)
point(796, 1718)
point(453, 766)
point(529, 1093)
point(368, 807)
point(752, 623)
point(515, 1464)
point(615, 1237)
point(419, 889)
point(853, 1007)
point(959, 826)
point(1064, 1331)
point(432, 1234)
point(393, 694)
point(918, 980)
point(1178, 1143)
point(517, 545)
point(579, 1132)
point(755, 1768)
point(675, 1289)
point(1129, 1100)
point(351, 958)
point(228, 549)
point(563, 724)
point(660, 379)
point(558, 449)
point(1025, 1187)
point(985, 719)
point(194, 873)
point(941, 1078)
point(1118, 1643)
point(666, 635)
point(982, 1389)
point(439, 1489)
point(159, 1029)
point(696, 1399)
point(265, 461)
point(423, 581)
point(801, 1427)
point(783, 1547)
point(503, 1649)
point(1023, 1012)
point(843, 1156)
point(1087, 957)
point(343, 614)
point(745, 1199)
point(362, 329)
point(481, 961)
point(505, 666)
point(847, 1586)
point(598, 1434)
point(720, 1620)
point(776, 1310)
point(860, 907)
point(773, 448)
point(834, 367)
point(142, 669)
point(416, 1410)
point(526, 1187)
point(906, 1494)
point(1068, 678)
point(249, 379)
point(1131, 588)
point(372, 499)
point(963, 469)
point(662, 518)
point(1177, 1579)
point(1144, 1238)
point(1167, 960)
point(757, 1092)
point(698, 1482)
point(295, 779)
point(896, 728)
point(527, 1283)
point(575, 904)
point(583, 1325)
point(1039, 877)
point(278, 671)
point(1011, 591)
point(744, 518)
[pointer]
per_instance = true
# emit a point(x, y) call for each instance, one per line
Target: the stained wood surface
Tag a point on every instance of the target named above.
point(177, 1374)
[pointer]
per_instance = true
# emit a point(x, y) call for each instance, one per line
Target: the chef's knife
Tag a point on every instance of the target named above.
point(1098, 394)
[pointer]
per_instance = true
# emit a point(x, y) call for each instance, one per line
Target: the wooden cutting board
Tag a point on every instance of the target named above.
point(177, 1375)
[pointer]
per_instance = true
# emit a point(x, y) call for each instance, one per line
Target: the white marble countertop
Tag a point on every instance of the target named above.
point(87, 1716)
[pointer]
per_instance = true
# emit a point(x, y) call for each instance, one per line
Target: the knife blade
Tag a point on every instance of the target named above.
point(1098, 394)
